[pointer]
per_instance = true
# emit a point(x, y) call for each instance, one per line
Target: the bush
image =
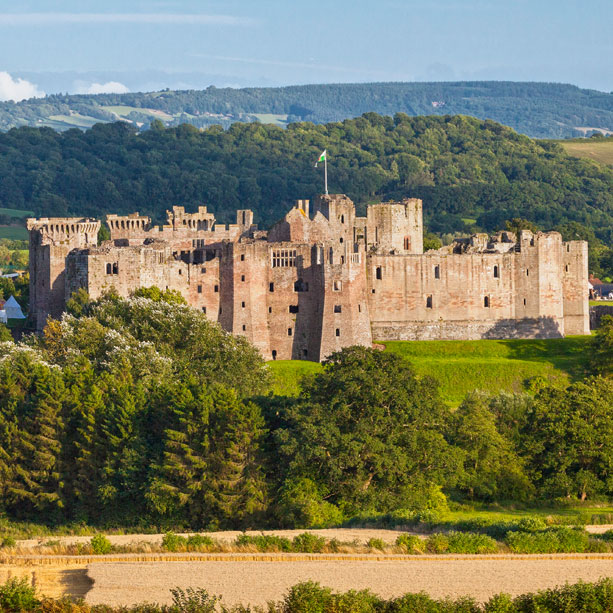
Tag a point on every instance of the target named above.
point(18, 595)
point(264, 542)
point(194, 600)
point(100, 544)
point(531, 524)
point(437, 543)
point(410, 543)
point(8, 541)
point(374, 543)
point(551, 540)
point(307, 597)
point(173, 542)
point(198, 542)
point(308, 543)
point(469, 542)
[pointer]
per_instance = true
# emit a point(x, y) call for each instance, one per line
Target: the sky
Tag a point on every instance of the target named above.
point(86, 46)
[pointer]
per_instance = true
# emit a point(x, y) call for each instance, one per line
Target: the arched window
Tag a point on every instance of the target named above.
point(437, 272)
point(486, 302)
point(496, 272)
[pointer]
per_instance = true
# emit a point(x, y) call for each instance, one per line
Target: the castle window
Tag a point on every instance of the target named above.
point(270, 309)
point(180, 271)
point(305, 353)
point(342, 259)
point(242, 305)
point(331, 255)
point(242, 257)
point(429, 302)
point(274, 354)
point(337, 286)
point(337, 308)
point(568, 248)
point(289, 332)
point(216, 288)
point(496, 272)
point(293, 308)
point(244, 327)
point(342, 221)
point(527, 271)
point(524, 302)
point(378, 273)
point(407, 243)
point(271, 287)
point(243, 278)
point(359, 308)
point(486, 302)
point(566, 268)
point(203, 271)
point(341, 240)
point(204, 310)
point(301, 286)
point(437, 272)
point(282, 258)
point(338, 332)
point(115, 268)
point(200, 289)
point(109, 269)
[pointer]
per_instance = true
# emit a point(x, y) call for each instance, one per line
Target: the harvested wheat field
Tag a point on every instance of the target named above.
point(256, 582)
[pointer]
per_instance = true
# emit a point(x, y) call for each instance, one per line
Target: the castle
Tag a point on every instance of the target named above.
point(324, 279)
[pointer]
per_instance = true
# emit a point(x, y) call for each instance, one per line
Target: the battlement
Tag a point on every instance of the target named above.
point(70, 230)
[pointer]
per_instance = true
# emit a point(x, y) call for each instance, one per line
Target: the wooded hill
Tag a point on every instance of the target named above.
point(544, 110)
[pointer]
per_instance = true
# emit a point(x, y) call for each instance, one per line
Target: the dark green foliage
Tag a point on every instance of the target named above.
point(193, 600)
point(264, 542)
point(17, 595)
point(552, 540)
point(601, 348)
point(100, 544)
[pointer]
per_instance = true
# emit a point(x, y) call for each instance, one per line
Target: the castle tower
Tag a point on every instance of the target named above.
point(396, 227)
point(51, 240)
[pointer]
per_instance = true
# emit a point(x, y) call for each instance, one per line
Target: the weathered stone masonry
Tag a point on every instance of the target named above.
point(324, 279)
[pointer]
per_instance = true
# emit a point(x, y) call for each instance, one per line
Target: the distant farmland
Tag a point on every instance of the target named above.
point(594, 149)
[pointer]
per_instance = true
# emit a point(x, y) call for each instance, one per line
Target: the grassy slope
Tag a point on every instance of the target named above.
point(464, 366)
point(599, 150)
point(13, 232)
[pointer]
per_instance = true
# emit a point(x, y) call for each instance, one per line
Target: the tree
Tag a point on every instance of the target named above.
point(601, 348)
point(368, 432)
point(492, 470)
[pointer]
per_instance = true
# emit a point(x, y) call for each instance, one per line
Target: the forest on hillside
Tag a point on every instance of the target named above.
point(543, 110)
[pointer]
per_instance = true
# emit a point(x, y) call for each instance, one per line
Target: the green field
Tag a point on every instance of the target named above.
point(16, 212)
point(277, 120)
point(465, 366)
point(594, 149)
point(13, 232)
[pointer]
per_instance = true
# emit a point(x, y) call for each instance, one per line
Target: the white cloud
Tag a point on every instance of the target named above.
point(110, 87)
point(17, 89)
point(44, 19)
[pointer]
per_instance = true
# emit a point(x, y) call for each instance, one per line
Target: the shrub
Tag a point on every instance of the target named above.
point(18, 595)
point(551, 540)
point(8, 541)
point(437, 543)
point(598, 546)
point(374, 543)
point(308, 543)
point(410, 543)
point(353, 601)
point(173, 542)
point(197, 542)
point(194, 600)
point(307, 597)
point(264, 542)
point(531, 524)
point(100, 544)
point(469, 542)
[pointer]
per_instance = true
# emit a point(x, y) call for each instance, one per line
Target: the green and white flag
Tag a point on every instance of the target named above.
point(322, 158)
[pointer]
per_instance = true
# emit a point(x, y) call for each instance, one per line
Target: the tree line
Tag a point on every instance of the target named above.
point(140, 411)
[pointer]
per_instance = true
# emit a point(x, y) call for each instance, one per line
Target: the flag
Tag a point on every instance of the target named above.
point(322, 158)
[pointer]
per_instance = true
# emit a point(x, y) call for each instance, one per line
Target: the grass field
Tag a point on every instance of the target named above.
point(594, 149)
point(13, 232)
point(277, 120)
point(16, 212)
point(464, 366)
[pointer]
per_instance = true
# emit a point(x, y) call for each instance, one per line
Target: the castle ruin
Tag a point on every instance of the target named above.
point(324, 279)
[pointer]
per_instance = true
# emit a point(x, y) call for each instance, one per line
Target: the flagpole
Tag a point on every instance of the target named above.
point(326, 173)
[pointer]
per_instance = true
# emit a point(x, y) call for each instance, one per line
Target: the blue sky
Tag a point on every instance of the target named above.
point(70, 45)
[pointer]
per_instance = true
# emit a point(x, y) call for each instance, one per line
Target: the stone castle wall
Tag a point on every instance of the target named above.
point(322, 279)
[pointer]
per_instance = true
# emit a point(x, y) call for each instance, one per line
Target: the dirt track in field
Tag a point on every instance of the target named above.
point(256, 582)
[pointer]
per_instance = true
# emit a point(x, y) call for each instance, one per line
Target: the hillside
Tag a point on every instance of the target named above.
point(543, 110)
point(471, 174)
point(598, 149)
